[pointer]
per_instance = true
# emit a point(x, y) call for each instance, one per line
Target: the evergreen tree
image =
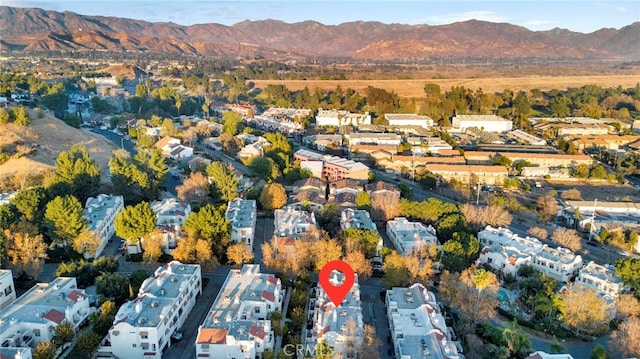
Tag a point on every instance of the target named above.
point(76, 168)
point(64, 219)
point(30, 203)
point(135, 222)
point(223, 181)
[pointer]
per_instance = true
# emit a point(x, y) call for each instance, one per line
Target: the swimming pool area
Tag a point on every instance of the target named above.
point(503, 296)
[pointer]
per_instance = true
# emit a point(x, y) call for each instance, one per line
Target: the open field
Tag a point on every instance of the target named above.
point(414, 87)
point(53, 136)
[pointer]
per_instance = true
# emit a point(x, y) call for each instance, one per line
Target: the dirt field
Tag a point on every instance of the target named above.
point(601, 191)
point(53, 136)
point(414, 87)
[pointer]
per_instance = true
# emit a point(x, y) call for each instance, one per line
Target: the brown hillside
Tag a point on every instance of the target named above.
point(53, 136)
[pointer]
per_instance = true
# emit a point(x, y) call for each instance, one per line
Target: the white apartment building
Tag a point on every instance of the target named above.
point(143, 327)
point(408, 119)
point(602, 278)
point(506, 251)
point(526, 138)
point(16, 353)
point(356, 218)
point(100, 213)
point(559, 263)
point(341, 327)
point(7, 288)
point(32, 318)
point(292, 223)
point(418, 328)
point(408, 236)
point(545, 355)
point(341, 118)
point(368, 138)
point(237, 325)
point(170, 212)
point(242, 216)
point(487, 123)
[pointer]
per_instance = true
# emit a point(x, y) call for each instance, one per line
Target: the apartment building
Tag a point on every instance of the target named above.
point(312, 184)
point(322, 142)
point(609, 142)
point(602, 278)
point(408, 164)
point(526, 138)
point(356, 218)
point(428, 145)
point(242, 214)
point(487, 123)
point(409, 236)
point(539, 159)
point(237, 325)
point(417, 325)
point(332, 168)
point(33, 318)
point(485, 175)
point(544, 355)
point(292, 223)
point(7, 288)
point(371, 152)
point(170, 216)
point(378, 139)
point(341, 118)
point(346, 185)
point(284, 120)
point(16, 353)
point(307, 200)
point(380, 188)
point(100, 213)
point(560, 129)
point(340, 327)
point(408, 119)
point(143, 327)
point(506, 251)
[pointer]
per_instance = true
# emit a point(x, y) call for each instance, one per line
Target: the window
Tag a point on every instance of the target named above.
point(36, 332)
point(8, 290)
point(116, 333)
point(256, 309)
point(144, 335)
point(144, 346)
point(134, 345)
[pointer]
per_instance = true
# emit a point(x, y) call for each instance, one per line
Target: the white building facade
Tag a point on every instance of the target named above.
point(407, 119)
point(33, 318)
point(409, 236)
point(238, 325)
point(242, 216)
point(100, 213)
point(7, 288)
point(418, 327)
point(340, 327)
point(292, 223)
point(341, 118)
point(602, 278)
point(143, 327)
point(488, 123)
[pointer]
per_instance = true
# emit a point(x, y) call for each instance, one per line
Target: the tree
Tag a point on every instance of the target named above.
point(573, 194)
point(626, 340)
point(113, 285)
point(194, 189)
point(208, 223)
point(135, 222)
point(324, 350)
point(627, 305)
point(517, 341)
point(581, 171)
point(479, 217)
point(325, 251)
point(4, 116)
point(363, 201)
point(370, 343)
point(584, 310)
point(265, 168)
point(106, 265)
point(64, 333)
point(360, 264)
point(599, 352)
point(230, 122)
point(191, 250)
point(384, 207)
point(361, 239)
point(77, 169)
point(20, 116)
point(547, 207)
point(141, 176)
point(568, 238)
point(26, 252)
point(230, 144)
point(65, 219)
point(30, 203)
point(239, 253)
point(538, 232)
point(168, 128)
point(88, 342)
point(628, 269)
point(45, 350)
point(224, 181)
point(153, 247)
point(473, 293)
point(87, 242)
point(273, 196)
point(7, 216)
point(598, 172)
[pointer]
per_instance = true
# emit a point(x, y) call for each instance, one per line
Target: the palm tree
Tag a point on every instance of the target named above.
point(517, 341)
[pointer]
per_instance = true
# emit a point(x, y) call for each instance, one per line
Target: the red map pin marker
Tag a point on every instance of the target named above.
point(337, 292)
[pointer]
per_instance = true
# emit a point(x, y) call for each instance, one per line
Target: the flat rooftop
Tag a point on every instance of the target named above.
point(241, 212)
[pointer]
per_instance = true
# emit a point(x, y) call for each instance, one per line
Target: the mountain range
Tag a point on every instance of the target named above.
point(37, 30)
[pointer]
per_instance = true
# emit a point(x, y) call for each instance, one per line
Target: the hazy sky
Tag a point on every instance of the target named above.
point(583, 16)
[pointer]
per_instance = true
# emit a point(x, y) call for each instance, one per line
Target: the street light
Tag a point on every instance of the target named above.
point(122, 143)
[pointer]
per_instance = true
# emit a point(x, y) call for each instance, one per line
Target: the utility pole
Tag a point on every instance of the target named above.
point(478, 196)
point(593, 219)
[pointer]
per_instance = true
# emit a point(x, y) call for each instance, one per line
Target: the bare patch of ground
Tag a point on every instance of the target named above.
point(49, 136)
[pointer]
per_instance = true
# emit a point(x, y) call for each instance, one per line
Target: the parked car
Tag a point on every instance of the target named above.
point(176, 336)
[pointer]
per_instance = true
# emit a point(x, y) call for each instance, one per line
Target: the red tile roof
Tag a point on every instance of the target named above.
point(268, 296)
point(256, 331)
point(212, 336)
point(55, 316)
point(272, 279)
point(75, 295)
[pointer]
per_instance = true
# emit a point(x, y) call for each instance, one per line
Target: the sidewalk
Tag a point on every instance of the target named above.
point(285, 306)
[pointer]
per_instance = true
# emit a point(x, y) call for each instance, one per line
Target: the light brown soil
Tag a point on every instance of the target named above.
point(53, 136)
point(414, 87)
